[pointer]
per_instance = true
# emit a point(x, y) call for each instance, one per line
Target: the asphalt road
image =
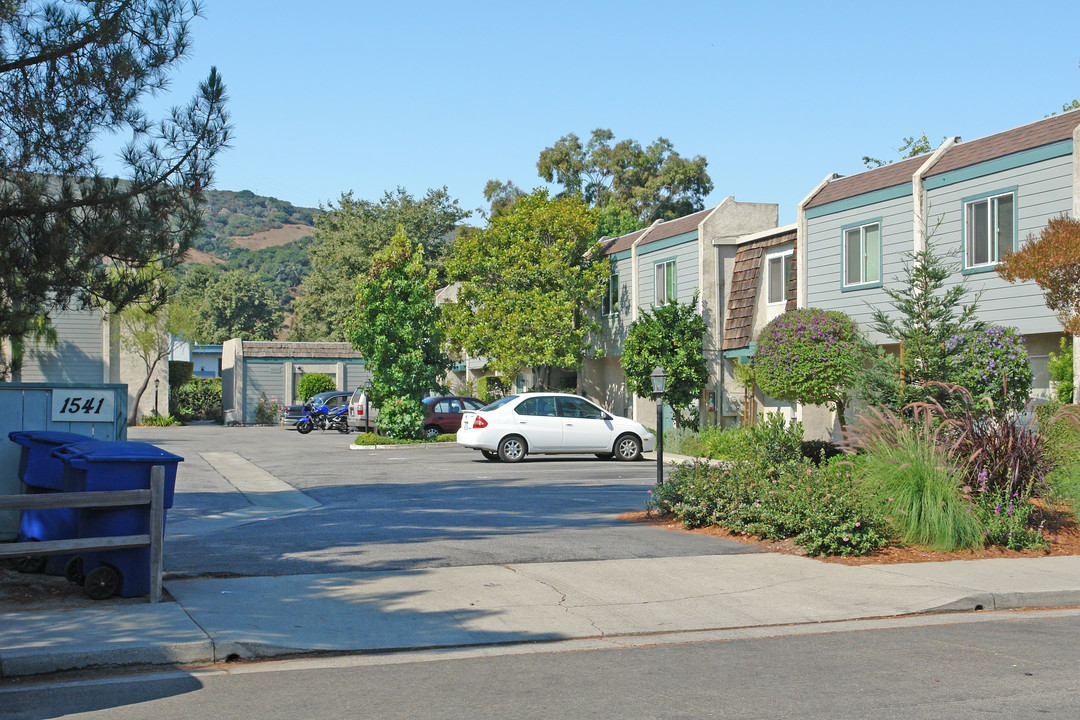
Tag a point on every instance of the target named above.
point(1012, 665)
point(400, 508)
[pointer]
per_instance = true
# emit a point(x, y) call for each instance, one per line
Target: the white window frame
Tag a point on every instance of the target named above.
point(668, 271)
point(611, 297)
point(992, 241)
point(778, 261)
point(864, 254)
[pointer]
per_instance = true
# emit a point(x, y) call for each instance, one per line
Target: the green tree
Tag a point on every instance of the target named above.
point(214, 306)
point(145, 333)
point(810, 356)
point(396, 328)
point(925, 317)
point(671, 336)
point(647, 183)
point(1052, 260)
point(528, 282)
point(70, 73)
point(348, 235)
point(912, 147)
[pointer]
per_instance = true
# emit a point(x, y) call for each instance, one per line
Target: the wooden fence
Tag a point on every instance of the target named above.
point(154, 497)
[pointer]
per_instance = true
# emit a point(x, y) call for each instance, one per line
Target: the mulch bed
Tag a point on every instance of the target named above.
point(1059, 528)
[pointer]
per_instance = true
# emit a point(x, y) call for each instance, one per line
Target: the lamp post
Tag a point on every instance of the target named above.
point(156, 381)
point(659, 385)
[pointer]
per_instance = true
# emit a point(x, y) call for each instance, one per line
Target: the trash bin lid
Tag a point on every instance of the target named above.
point(47, 437)
point(115, 451)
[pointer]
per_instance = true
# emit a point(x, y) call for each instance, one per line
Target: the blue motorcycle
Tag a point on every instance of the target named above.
point(324, 418)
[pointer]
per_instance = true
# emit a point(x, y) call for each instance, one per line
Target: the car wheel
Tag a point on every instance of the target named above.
point(512, 449)
point(493, 456)
point(628, 447)
point(431, 431)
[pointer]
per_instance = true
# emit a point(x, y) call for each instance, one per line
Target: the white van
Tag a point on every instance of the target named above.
point(362, 414)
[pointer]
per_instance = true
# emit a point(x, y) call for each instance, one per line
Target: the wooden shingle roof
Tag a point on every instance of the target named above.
point(738, 327)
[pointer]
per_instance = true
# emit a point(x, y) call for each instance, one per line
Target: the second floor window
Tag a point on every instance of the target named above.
point(989, 229)
point(778, 275)
point(665, 283)
point(862, 254)
point(611, 296)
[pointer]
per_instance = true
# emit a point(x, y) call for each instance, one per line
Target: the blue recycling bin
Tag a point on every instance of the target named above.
point(115, 465)
point(43, 473)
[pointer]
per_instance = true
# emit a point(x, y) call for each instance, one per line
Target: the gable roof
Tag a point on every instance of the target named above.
point(658, 231)
point(1042, 132)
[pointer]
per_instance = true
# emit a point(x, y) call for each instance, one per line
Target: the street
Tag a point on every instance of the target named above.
point(1015, 665)
point(398, 508)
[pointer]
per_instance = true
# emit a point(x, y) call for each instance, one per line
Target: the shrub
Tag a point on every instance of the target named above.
point(809, 356)
point(819, 508)
point(992, 362)
point(1006, 519)
point(313, 384)
point(180, 373)
point(491, 388)
point(159, 421)
point(1060, 368)
point(776, 440)
point(266, 411)
point(819, 451)
point(197, 400)
point(719, 443)
point(402, 418)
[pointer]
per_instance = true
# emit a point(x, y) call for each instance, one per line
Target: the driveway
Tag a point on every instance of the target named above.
point(268, 501)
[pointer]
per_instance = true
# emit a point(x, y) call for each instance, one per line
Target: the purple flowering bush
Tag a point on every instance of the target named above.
point(809, 356)
point(991, 363)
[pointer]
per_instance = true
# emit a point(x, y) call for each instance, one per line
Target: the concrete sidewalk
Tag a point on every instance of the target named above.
point(214, 620)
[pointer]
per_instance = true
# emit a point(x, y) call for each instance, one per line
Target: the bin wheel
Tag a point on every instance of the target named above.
point(73, 571)
point(102, 582)
point(30, 563)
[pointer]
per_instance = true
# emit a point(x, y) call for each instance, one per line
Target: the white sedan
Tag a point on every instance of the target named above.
point(551, 423)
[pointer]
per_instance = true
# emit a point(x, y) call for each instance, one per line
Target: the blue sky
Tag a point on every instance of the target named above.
point(328, 97)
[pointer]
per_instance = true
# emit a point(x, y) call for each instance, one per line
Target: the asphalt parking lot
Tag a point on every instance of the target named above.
point(405, 507)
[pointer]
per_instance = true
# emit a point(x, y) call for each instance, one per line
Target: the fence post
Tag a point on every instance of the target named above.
point(157, 529)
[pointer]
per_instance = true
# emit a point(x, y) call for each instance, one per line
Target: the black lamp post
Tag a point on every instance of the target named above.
point(156, 381)
point(659, 385)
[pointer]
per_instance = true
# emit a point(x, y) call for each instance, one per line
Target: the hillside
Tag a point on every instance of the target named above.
point(244, 220)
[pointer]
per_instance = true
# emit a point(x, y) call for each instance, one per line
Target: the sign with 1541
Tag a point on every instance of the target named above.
point(82, 405)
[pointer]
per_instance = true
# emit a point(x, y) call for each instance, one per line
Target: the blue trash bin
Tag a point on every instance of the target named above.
point(43, 473)
point(115, 465)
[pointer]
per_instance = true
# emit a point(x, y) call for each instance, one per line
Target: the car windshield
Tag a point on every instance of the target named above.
point(499, 403)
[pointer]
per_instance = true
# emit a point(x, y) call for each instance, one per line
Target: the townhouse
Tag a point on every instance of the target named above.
point(974, 202)
point(740, 264)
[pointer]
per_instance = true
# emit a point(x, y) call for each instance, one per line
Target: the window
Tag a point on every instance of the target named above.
point(665, 283)
point(537, 406)
point(573, 407)
point(611, 297)
point(862, 254)
point(989, 229)
point(778, 275)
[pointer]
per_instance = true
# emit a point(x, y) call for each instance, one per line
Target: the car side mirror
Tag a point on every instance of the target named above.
point(608, 417)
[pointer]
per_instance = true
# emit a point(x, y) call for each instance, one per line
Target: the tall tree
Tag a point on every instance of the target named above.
point(925, 317)
point(648, 183)
point(397, 331)
point(527, 283)
point(1052, 260)
point(69, 73)
point(213, 306)
point(671, 336)
point(348, 235)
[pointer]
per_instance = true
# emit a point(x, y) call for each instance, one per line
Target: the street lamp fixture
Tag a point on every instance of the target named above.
point(156, 382)
point(659, 385)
